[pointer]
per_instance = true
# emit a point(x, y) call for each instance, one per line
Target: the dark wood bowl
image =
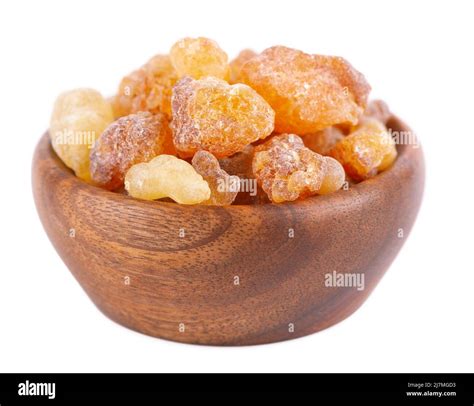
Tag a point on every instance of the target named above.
point(170, 271)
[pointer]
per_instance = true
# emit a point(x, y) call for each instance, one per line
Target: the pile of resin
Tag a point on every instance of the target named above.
point(195, 128)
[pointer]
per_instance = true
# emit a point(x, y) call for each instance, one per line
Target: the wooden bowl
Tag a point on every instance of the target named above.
point(235, 275)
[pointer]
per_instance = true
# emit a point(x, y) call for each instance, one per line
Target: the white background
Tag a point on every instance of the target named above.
point(417, 55)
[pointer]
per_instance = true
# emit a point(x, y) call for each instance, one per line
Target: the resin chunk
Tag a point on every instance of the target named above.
point(308, 92)
point(78, 119)
point(167, 176)
point(224, 187)
point(147, 89)
point(334, 176)
point(199, 57)
point(379, 110)
point(287, 170)
point(129, 140)
point(237, 63)
point(366, 151)
point(323, 141)
point(211, 115)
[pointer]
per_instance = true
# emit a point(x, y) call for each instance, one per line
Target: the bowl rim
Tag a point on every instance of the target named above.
point(404, 154)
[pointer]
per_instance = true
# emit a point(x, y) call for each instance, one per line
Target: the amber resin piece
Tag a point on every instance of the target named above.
point(237, 63)
point(129, 140)
point(199, 57)
point(308, 92)
point(167, 176)
point(366, 151)
point(287, 170)
point(334, 176)
point(211, 115)
point(147, 89)
point(323, 141)
point(378, 109)
point(224, 187)
point(79, 117)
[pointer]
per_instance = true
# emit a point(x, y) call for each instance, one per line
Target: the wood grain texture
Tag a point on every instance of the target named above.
point(187, 282)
